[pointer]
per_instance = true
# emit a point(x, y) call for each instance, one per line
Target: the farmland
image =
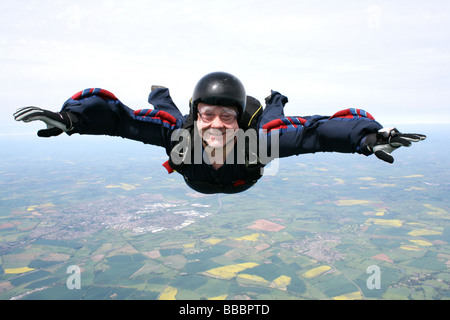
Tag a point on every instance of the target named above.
point(147, 236)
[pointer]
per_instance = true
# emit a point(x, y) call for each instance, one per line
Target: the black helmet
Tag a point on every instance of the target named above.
point(220, 89)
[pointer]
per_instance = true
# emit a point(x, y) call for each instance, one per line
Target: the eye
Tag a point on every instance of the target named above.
point(227, 117)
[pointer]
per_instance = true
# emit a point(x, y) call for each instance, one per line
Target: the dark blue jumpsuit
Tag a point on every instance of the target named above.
point(99, 112)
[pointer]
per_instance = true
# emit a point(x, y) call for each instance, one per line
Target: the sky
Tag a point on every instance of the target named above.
point(390, 58)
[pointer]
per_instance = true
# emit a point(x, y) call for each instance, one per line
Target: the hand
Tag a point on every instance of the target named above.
point(57, 123)
point(388, 140)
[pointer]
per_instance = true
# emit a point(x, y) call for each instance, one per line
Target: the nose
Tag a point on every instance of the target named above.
point(217, 123)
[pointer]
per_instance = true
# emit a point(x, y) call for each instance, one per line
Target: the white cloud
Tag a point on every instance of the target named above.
point(390, 58)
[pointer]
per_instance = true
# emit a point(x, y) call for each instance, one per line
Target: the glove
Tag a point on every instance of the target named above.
point(57, 123)
point(388, 140)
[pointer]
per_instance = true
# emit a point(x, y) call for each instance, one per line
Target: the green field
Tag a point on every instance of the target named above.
point(347, 212)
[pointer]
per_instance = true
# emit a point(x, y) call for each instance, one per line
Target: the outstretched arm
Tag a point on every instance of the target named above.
point(99, 112)
point(347, 131)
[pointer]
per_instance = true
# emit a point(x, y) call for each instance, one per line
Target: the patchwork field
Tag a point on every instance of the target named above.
point(312, 231)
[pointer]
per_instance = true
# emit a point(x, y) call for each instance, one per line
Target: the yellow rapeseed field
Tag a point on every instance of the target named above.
point(168, 294)
point(351, 202)
point(18, 270)
point(385, 222)
point(214, 240)
point(316, 271)
point(437, 211)
point(410, 248)
point(252, 277)
point(230, 271)
point(251, 237)
point(349, 296)
point(222, 297)
point(124, 186)
point(282, 281)
point(421, 242)
point(423, 232)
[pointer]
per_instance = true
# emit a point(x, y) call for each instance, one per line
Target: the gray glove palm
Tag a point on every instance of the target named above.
point(389, 139)
point(57, 122)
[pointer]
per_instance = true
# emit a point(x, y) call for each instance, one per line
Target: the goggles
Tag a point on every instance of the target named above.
point(209, 113)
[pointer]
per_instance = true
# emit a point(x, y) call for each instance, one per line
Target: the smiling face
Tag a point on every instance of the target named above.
point(216, 125)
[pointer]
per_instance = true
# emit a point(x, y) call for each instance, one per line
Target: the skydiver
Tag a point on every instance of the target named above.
point(205, 146)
